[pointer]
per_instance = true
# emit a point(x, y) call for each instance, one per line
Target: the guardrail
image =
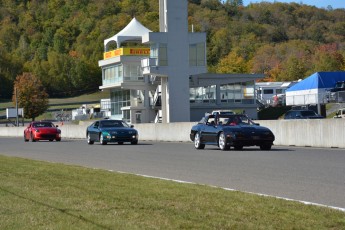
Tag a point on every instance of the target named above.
point(328, 133)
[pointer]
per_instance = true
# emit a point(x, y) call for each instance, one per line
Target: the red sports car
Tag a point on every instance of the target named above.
point(42, 130)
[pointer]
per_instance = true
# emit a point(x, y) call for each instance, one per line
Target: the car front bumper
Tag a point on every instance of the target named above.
point(120, 138)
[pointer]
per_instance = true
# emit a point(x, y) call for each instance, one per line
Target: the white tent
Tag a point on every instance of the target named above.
point(313, 89)
point(132, 32)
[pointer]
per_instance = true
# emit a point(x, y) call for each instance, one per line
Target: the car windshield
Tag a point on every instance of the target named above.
point(113, 123)
point(339, 85)
point(234, 120)
point(308, 113)
point(43, 124)
point(223, 112)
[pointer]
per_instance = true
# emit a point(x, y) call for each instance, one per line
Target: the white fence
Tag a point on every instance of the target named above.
point(315, 98)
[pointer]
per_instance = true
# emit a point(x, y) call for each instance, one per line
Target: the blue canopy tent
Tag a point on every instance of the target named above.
point(312, 90)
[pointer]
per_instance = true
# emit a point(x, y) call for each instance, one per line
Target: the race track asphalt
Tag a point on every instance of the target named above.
point(306, 174)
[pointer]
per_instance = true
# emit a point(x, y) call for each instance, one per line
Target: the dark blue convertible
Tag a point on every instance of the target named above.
point(230, 130)
point(106, 131)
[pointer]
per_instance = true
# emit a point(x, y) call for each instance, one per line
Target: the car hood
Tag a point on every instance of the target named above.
point(47, 129)
point(118, 129)
point(314, 117)
point(247, 128)
point(337, 89)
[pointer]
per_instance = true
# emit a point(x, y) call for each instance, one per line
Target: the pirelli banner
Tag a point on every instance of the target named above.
point(127, 52)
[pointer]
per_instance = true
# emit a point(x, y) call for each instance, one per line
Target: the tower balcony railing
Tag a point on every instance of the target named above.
point(148, 62)
point(119, 80)
point(152, 65)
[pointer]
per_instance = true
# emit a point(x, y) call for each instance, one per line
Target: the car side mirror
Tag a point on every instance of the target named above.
point(56, 126)
point(132, 126)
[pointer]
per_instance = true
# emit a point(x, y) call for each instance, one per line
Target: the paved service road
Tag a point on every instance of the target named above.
point(308, 174)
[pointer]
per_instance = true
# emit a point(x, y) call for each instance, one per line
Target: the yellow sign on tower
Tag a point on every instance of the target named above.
point(128, 52)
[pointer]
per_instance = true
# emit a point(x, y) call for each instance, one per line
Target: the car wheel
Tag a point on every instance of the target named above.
point(197, 142)
point(58, 139)
point(238, 147)
point(51, 139)
point(101, 139)
point(89, 141)
point(222, 142)
point(32, 138)
point(134, 142)
point(26, 140)
point(265, 147)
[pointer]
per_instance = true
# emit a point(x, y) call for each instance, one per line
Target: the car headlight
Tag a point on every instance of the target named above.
point(230, 135)
point(268, 134)
point(106, 134)
point(235, 134)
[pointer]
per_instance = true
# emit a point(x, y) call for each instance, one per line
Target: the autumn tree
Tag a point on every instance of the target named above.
point(327, 58)
point(232, 63)
point(265, 59)
point(30, 95)
point(61, 41)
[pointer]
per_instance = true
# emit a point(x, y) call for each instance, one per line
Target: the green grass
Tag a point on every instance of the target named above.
point(40, 195)
point(61, 103)
point(79, 99)
point(6, 104)
point(331, 115)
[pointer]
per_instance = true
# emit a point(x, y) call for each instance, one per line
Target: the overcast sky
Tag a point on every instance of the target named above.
point(318, 3)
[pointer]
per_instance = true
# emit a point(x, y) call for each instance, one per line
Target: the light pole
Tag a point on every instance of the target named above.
point(17, 117)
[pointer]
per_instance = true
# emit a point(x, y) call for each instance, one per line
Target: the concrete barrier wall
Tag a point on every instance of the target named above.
point(315, 133)
point(165, 132)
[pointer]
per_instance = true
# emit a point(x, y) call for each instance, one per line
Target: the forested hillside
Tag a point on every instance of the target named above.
point(61, 41)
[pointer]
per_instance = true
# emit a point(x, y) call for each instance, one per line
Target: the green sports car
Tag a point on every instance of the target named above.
point(116, 131)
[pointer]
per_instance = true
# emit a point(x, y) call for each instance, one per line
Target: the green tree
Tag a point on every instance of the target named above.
point(293, 69)
point(30, 95)
point(211, 4)
point(232, 6)
point(220, 46)
point(9, 68)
